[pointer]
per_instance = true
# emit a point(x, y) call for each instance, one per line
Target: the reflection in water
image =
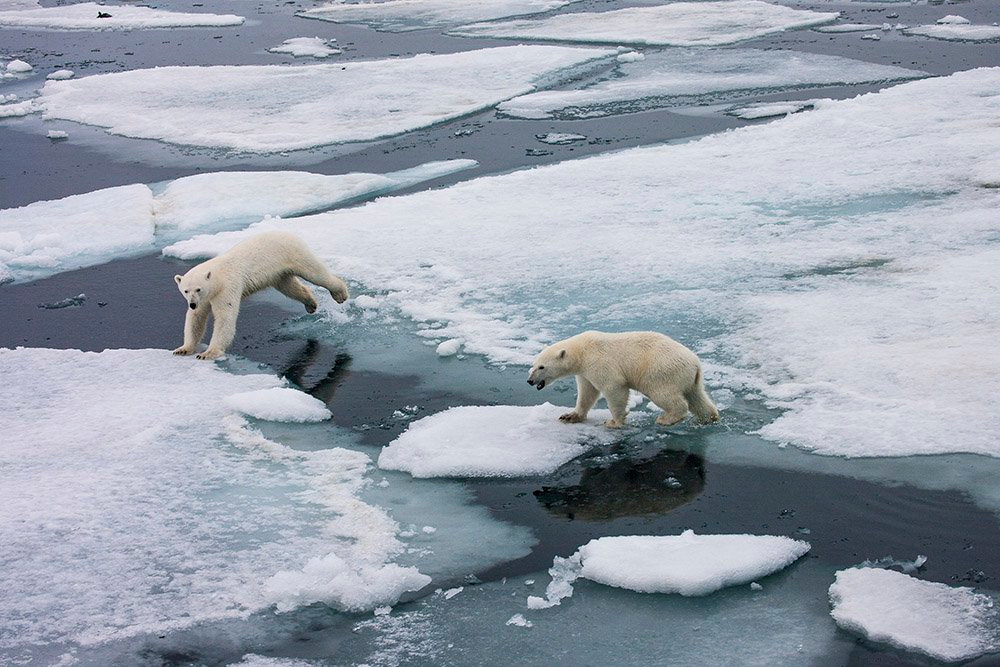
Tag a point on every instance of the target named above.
point(307, 370)
point(629, 487)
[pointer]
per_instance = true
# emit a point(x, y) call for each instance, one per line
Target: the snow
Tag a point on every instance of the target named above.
point(854, 294)
point(674, 24)
point(771, 109)
point(405, 15)
point(269, 109)
point(279, 404)
point(19, 67)
point(144, 504)
point(449, 347)
point(83, 16)
point(943, 622)
point(80, 230)
point(491, 441)
point(17, 109)
point(306, 46)
point(682, 73)
point(956, 31)
point(61, 75)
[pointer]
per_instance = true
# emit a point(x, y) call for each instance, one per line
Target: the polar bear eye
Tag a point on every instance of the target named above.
point(185, 291)
point(198, 290)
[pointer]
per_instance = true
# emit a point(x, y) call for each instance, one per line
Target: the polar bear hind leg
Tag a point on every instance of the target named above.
point(293, 288)
point(311, 269)
point(674, 407)
point(702, 407)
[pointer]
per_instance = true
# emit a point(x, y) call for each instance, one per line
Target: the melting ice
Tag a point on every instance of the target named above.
point(674, 24)
point(404, 15)
point(84, 16)
point(269, 109)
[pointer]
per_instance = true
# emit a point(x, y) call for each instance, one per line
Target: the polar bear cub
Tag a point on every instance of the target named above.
point(217, 287)
point(665, 371)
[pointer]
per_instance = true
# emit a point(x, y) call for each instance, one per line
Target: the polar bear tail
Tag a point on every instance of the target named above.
point(699, 403)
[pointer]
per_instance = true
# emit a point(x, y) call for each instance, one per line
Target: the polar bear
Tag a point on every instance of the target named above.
point(217, 287)
point(665, 371)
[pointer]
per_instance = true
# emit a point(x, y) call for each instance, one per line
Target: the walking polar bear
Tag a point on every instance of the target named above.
point(217, 287)
point(665, 371)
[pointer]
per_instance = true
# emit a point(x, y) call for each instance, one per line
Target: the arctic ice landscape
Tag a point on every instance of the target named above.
point(805, 194)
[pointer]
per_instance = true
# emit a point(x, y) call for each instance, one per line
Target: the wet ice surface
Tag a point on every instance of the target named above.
point(404, 15)
point(80, 230)
point(674, 24)
point(269, 109)
point(300, 47)
point(679, 76)
point(943, 622)
point(92, 16)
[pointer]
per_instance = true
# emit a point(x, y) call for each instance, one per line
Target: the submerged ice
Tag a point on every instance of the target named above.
point(269, 109)
point(853, 292)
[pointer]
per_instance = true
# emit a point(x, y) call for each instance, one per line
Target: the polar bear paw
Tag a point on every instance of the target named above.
point(573, 417)
point(613, 423)
point(183, 351)
point(209, 354)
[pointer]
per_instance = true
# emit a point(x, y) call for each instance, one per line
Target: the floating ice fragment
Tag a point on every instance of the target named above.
point(16, 109)
point(520, 621)
point(490, 441)
point(956, 31)
point(630, 57)
point(943, 622)
point(452, 592)
point(560, 138)
point(87, 16)
point(449, 347)
point(771, 109)
point(907, 566)
point(674, 24)
point(61, 75)
point(953, 19)
point(306, 46)
point(754, 586)
point(68, 302)
point(872, 36)
point(847, 27)
point(405, 15)
point(57, 135)
point(281, 404)
point(19, 67)
point(564, 572)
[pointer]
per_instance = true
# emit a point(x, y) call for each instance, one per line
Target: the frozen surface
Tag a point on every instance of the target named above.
point(491, 441)
point(404, 15)
point(301, 47)
point(156, 507)
point(673, 77)
point(279, 404)
point(674, 24)
point(84, 16)
point(269, 109)
point(855, 293)
point(52, 236)
point(771, 109)
point(958, 29)
point(944, 622)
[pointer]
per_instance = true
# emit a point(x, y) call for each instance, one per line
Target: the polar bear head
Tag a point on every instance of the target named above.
point(551, 364)
point(195, 286)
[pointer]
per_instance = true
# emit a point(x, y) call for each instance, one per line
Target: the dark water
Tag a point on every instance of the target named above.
point(619, 489)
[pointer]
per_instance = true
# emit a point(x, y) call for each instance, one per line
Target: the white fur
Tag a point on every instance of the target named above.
point(610, 364)
point(217, 287)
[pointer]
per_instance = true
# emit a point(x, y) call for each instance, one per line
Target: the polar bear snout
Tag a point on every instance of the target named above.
point(537, 385)
point(193, 305)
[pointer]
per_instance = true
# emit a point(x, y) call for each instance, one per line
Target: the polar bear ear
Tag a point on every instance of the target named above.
point(178, 279)
point(562, 354)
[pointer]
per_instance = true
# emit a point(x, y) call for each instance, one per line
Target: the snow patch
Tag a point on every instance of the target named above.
point(282, 404)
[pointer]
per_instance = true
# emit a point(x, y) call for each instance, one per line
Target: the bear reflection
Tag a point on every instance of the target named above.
point(629, 487)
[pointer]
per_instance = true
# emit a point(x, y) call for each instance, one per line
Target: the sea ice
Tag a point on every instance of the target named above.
point(19, 67)
point(405, 15)
point(52, 236)
point(84, 16)
point(771, 109)
point(17, 109)
point(137, 502)
point(279, 404)
point(671, 78)
point(855, 293)
point(956, 28)
point(673, 24)
point(306, 46)
point(269, 109)
point(490, 441)
point(944, 622)
point(61, 75)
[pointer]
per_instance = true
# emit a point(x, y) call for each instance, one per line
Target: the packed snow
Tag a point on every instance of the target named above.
point(674, 24)
point(279, 404)
point(491, 441)
point(944, 622)
point(16, 110)
point(671, 78)
point(301, 47)
point(686, 564)
point(155, 507)
point(405, 15)
point(837, 285)
point(269, 109)
point(92, 16)
point(80, 230)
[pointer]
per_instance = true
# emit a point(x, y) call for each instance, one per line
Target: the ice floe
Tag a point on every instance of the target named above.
point(92, 16)
point(673, 24)
point(300, 47)
point(52, 236)
point(856, 290)
point(490, 441)
point(279, 404)
point(686, 564)
point(673, 77)
point(138, 502)
point(944, 622)
point(276, 108)
point(771, 109)
point(956, 28)
point(405, 15)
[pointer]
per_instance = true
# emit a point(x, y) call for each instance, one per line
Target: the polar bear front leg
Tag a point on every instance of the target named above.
point(586, 395)
point(617, 398)
point(194, 329)
point(224, 327)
